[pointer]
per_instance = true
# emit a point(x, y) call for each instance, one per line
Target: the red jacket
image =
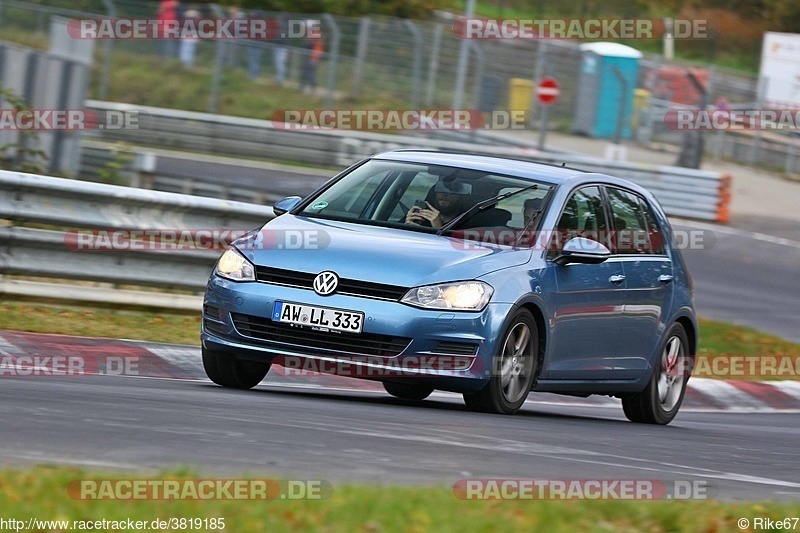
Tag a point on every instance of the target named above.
point(167, 11)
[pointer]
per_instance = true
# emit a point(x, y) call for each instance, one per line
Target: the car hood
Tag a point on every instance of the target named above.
point(369, 253)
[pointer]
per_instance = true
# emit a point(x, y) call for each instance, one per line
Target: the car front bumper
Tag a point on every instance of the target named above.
point(447, 350)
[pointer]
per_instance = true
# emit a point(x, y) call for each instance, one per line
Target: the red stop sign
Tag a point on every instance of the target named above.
point(548, 91)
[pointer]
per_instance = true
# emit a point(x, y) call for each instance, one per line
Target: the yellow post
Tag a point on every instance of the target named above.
point(641, 98)
point(520, 94)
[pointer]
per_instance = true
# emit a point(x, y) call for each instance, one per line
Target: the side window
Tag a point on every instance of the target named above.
point(630, 226)
point(583, 216)
point(653, 229)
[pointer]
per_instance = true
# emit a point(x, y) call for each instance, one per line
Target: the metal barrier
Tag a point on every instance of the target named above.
point(79, 204)
point(254, 182)
point(682, 192)
point(47, 254)
point(69, 204)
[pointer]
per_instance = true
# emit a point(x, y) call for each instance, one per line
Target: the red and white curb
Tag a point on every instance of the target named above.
point(19, 352)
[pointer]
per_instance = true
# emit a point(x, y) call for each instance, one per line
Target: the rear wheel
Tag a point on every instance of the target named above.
point(229, 371)
point(408, 391)
point(513, 369)
point(659, 402)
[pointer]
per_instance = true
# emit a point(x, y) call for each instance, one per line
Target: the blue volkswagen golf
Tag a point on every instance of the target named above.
point(479, 275)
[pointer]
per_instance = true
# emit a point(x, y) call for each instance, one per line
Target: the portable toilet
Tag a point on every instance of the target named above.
point(600, 92)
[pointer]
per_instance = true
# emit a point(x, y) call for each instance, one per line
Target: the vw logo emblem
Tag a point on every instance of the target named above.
point(325, 283)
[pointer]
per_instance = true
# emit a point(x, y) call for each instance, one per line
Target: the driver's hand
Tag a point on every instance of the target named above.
point(431, 214)
point(413, 216)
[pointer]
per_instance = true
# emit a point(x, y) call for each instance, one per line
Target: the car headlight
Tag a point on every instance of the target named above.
point(233, 266)
point(459, 296)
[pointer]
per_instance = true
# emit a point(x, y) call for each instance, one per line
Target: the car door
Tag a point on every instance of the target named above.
point(639, 247)
point(589, 298)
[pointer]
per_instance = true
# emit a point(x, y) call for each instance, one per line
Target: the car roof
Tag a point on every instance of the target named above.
point(552, 174)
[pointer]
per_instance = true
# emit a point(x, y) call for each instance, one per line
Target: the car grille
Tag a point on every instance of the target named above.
point(364, 344)
point(212, 320)
point(350, 287)
point(455, 348)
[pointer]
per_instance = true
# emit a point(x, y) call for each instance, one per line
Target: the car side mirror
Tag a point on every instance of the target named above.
point(287, 204)
point(582, 250)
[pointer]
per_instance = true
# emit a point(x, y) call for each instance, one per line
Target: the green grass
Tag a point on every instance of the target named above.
point(150, 80)
point(721, 338)
point(31, 39)
point(100, 321)
point(41, 492)
point(716, 338)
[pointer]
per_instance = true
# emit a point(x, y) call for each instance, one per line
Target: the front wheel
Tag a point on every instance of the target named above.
point(659, 402)
point(228, 371)
point(513, 369)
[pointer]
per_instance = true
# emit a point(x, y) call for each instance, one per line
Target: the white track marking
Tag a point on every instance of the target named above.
point(726, 394)
point(790, 388)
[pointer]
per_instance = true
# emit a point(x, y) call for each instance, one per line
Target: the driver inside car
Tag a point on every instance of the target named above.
point(446, 204)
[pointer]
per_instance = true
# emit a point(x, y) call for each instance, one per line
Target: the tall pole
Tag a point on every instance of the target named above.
point(669, 39)
point(461, 75)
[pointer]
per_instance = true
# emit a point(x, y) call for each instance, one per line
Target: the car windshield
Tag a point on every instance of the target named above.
point(423, 197)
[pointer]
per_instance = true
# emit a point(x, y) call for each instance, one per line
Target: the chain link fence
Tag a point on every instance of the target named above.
point(374, 61)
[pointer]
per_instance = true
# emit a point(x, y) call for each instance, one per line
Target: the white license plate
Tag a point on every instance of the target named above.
point(322, 318)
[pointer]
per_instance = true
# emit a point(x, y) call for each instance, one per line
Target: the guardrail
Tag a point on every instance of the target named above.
point(255, 182)
point(682, 192)
point(75, 205)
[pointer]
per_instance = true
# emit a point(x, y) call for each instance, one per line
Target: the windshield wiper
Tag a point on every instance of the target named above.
point(534, 218)
point(483, 205)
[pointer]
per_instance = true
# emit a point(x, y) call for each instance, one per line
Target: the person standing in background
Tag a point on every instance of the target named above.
point(189, 44)
point(280, 49)
point(313, 53)
point(254, 51)
point(230, 54)
point(168, 12)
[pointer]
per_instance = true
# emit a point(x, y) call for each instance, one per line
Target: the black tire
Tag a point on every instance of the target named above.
point(660, 401)
point(408, 391)
point(229, 371)
point(513, 369)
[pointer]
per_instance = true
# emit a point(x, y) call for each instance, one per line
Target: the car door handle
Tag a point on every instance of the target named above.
point(665, 278)
point(617, 278)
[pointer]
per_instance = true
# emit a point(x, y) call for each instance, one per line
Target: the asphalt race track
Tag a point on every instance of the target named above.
point(303, 431)
point(748, 278)
point(335, 435)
